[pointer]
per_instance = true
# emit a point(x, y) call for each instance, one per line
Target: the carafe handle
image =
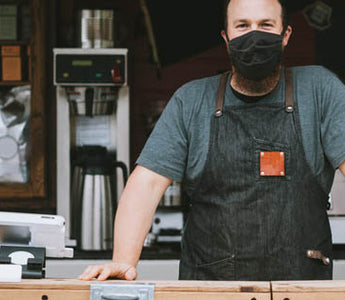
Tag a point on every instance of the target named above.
point(122, 166)
point(89, 93)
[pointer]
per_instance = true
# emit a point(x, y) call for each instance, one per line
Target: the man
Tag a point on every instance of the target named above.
point(256, 150)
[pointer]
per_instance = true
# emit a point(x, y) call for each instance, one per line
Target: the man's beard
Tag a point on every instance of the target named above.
point(255, 87)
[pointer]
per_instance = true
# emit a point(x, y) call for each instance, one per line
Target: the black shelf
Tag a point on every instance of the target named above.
point(158, 251)
point(339, 251)
point(14, 83)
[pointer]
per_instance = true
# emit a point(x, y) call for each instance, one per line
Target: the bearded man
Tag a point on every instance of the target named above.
point(256, 149)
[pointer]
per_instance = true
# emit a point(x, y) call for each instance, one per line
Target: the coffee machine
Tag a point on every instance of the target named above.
point(92, 141)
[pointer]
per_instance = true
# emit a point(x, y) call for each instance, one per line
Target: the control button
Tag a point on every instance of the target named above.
point(116, 74)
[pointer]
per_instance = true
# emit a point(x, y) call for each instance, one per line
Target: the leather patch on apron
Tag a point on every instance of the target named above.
point(272, 163)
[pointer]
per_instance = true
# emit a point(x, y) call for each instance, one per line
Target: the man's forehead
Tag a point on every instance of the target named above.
point(272, 20)
point(254, 9)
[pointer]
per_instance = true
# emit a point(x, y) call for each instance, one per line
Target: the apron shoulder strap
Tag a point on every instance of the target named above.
point(289, 101)
point(220, 95)
point(289, 97)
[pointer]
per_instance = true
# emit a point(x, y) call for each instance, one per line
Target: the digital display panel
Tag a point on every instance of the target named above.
point(82, 63)
point(94, 69)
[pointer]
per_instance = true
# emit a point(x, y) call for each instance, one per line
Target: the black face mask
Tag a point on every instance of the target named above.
point(256, 54)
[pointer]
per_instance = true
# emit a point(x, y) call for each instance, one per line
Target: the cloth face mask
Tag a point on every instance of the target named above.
point(256, 54)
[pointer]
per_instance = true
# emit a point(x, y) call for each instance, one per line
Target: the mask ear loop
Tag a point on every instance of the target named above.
point(284, 30)
point(227, 37)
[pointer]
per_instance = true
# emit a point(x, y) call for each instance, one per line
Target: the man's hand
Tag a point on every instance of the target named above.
point(103, 272)
point(133, 220)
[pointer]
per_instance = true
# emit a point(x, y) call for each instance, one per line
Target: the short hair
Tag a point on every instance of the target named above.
point(285, 16)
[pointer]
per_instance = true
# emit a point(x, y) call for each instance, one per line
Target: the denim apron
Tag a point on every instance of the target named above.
point(244, 225)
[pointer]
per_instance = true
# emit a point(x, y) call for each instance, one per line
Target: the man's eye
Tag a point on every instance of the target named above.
point(267, 25)
point(242, 26)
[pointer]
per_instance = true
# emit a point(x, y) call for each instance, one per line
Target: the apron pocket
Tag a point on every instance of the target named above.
point(268, 146)
point(223, 269)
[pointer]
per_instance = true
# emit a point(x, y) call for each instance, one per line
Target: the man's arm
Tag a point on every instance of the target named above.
point(342, 168)
point(133, 220)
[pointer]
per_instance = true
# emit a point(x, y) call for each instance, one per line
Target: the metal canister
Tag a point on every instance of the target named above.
point(97, 28)
point(172, 195)
point(86, 30)
point(107, 28)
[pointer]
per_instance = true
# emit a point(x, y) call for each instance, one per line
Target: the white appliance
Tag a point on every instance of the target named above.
point(25, 242)
point(78, 71)
point(35, 230)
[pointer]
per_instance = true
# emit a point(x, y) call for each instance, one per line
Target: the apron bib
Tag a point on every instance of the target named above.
point(257, 210)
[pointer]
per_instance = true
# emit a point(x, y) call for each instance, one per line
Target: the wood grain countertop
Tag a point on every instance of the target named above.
point(310, 286)
point(63, 289)
point(174, 285)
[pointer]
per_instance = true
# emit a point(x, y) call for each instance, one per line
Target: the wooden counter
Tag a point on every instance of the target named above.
point(308, 290)
point(61, 289)
point(65, 289)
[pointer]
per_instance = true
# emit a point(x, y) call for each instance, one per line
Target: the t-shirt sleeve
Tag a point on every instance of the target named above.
point(333, 119)
point(165, 151)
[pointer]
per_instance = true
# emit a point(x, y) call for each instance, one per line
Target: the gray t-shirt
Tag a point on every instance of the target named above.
point(178, 145)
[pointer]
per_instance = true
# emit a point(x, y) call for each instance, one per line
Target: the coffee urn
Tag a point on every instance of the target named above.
point(95, 200)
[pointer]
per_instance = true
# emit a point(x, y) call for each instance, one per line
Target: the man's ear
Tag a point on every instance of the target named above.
point(287, 35)
point(224, 36)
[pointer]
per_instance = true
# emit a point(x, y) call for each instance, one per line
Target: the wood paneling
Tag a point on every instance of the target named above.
point(36, 187)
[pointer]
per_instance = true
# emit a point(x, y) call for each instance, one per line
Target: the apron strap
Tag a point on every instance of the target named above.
point(288, 91)
point(220, 96)
point(289, 97)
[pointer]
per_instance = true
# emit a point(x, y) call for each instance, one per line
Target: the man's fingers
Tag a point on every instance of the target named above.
point(105, 274)
point(91, 272)
point(85, 273)
point(131, 274)
point(113, 270)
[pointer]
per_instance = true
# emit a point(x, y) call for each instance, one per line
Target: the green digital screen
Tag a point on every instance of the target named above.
point(82, 63)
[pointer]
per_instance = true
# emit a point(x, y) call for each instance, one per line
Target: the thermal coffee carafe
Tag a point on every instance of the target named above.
point(94, 197)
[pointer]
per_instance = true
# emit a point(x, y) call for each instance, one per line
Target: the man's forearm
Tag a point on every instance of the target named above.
point(135, 212)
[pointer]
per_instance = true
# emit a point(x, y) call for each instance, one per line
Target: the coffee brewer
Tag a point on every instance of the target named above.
point(92, 141)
